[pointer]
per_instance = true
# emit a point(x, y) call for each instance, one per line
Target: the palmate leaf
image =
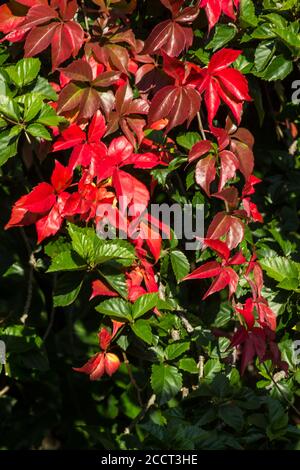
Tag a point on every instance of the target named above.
point(9, 139)
point(166, 381)
point(143, 330)
point(180, 264)
point(9, 108)
point(283, 270)
point(94, 250)
point(67, 289)
point(24, 72)
point(65, 36)
point(143, 304)
point(116, 308)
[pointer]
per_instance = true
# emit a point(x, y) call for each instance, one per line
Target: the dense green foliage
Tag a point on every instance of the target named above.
point(179, 385)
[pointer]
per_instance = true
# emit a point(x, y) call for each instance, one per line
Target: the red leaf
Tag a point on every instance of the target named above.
point(61, 49)
point(175, 103)
point(229, 165)
point(89, 103)
point(99, 288)
point(130, 192)
point(233, 280)
point(219, 226)
point(218, 246)
point(209, 269)
point(39, 14)
point(94, 367)
point(266, 314)
point(205, 173)
point(97, 128)
point(200, 149)
point(222, 83)
point(40, 199)
point(51, 223)
point(74, 35)
point(21, 216)
point(61, 177)
point(79, 70)
point(248, 353)
point(112, 363)
point(39, 39)
point(235, 233)
point(229, 195)
point(238, 258)
point(214, 9)
point(247, 313)
point(70, 137)
point(119, 150)
point(249, 186)
point(104, 338)
point(152, 238)
point(169, 37)
point(70, 98)
point(8, 21)
point(222, 59)
point(219, 283)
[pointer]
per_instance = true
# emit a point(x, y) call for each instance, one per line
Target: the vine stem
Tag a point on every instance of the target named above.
point(132, 379)
point(281, 392)
point(189, 328)
point(4, 391)
point(52, 313)
point(200, 124)
point(32, 263)
point(141, 415)
point(85, 17)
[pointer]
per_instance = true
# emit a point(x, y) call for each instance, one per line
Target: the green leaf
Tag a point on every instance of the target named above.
point(66, 261)
point(9, 139)
point(166, 381)
point(263, 31)
point(115, 308)
point(24, 72)
point(278, 69)
point(143, 304)
point(116, 280)
point(48, 116)
point(120, 250)
point(20, 338)
point(39, 131)
point(232, 416)
point(9, 108)
point(95, 250)
point(175, 350)
point(247, 16)
point(263, 54)
point(67, 289)
point(289, 284)
point(188, 139)
point(223, 34)
point(32, 105)
point(54, 247)
point(142, 329)
point(43, 88)
point(188, 364)
point(280, 268)
point(180, 264)
point(211, 368)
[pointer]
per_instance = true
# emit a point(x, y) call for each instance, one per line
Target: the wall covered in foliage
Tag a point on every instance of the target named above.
point(136, 341)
